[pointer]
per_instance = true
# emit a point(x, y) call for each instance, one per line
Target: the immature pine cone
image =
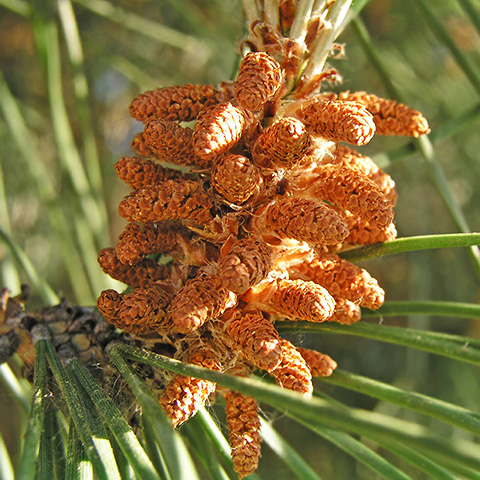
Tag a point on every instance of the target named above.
point(293, 372)
point(180, 103)
point(259, 77)
point(390, 117)
point(183, 396)
point(243, 232)
point(235, 178)
point(256, 338)
point(140, 172)
point(338, 121)
point(282, 145)
point(244, 426)
point(218, 128)
point(201, 299)
point(168, 200)
point(341, 278)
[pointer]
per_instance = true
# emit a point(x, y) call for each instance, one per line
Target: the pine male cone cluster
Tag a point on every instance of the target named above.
point(252, 223)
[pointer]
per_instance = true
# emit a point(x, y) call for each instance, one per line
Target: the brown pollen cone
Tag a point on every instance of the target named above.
point(247, 262)
point(338, 121)
point(142, 311)
point(140, 147)
point(353, 191)
point(219, 128)
point(350, 158)
point(362, 233)
point(320, 365)
point(244, 426)
point(293, 372)
point(306, 220)
point(390, 117)
point(201, 299)
point(139, 240)
point(108, 304)
point(235, 178)
point(180, 103)
point(294, 299)
point(256, 338)
point(304, 300)
point(140, 172)
point(282, 145)
point(143, 274)
point(183, 396)
point(346, 312)
point(170, 200)
point(341, 278)
point(171, 142)
point(259, 77)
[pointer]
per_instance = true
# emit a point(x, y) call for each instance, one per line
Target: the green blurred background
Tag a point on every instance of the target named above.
point(131, 46)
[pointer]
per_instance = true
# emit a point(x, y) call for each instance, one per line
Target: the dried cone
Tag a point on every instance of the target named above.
point(256, 338)
point(140, 172)
point(139, 240)
point(348, 157)
point(108, 304)
point(170, 200)
point(143, 274)
point(346, 312)
point(282, 145)
point(363, 234)
point(341, 278)
point(244, 426)
point(353, 191)
point(293, 299)
point(320, 365)
point(259, 77)
point(140, 147)
point(293, 372)
point(180, 103)
point(142, 311)
point(171, 142)
point(218, 128)
point(201, 299)
point(390, 117)
point(185, 395)
point(235, 178)
point(304, 300)
point(306, 220)
point(338, 121)
point(272, 191)
point(247, 263)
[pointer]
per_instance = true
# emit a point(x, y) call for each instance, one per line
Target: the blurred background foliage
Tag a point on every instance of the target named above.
point(68, 73)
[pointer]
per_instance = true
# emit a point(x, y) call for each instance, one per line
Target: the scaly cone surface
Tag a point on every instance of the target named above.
point(268, 195)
